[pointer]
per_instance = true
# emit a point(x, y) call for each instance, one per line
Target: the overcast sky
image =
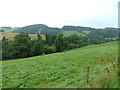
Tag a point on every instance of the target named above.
point(57, 13)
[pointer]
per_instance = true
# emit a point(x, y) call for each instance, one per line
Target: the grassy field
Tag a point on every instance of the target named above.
point(10, 36)
point(68, 33)
point(92, 66)
point(86, 32)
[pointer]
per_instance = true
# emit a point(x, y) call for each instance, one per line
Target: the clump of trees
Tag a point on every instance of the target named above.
point(23, 46)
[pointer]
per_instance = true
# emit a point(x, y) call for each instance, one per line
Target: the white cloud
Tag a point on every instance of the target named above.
point(55, 12)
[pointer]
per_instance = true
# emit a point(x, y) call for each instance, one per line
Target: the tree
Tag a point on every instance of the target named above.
point(78, 40)
point(48, 39)
point(5, 47)
point(21, 46)
point(61, 45)
point(53, 39)
point(37, 48)
point(39, 37)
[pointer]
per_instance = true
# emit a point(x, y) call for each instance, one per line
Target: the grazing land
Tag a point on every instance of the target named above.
point(86, 32)
point(92, 66)
point(68, 33)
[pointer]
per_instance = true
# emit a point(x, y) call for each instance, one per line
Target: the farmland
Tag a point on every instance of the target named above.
point(92, 66)
point(10, 36)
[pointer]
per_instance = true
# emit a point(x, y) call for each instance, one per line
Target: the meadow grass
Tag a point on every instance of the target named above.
point(86, 32)
point(66, 69)
point(68, 33)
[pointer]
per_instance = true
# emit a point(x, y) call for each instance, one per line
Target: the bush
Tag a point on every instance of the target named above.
point(71, 46)
point(49, 49)
point(52, 49)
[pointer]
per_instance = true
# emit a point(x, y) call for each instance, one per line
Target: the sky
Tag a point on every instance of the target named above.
point(57, 13)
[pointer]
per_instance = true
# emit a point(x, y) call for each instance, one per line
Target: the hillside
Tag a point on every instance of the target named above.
point(38, 28)
point(65, 70)
point(31, 29)
point(10, 36)
point(91, 33)
point(9, 29)
point(68, 33)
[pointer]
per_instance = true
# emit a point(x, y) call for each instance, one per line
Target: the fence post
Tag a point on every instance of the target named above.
point(87, 78)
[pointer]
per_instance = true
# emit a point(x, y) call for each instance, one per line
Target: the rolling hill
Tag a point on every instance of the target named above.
point(107, 33)
point(31, 29)
point(92, 66)
point(9, 29)
point(38, 28)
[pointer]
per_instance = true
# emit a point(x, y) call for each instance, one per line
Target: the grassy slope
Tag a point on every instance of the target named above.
point(68, 33)
point(86, 32)
point(66, 69)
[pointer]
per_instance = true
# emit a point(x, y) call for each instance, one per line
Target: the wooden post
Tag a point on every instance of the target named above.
point(113, 63)
point(87, 78)
point(43, 53)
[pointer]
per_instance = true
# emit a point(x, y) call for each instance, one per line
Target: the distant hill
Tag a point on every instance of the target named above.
point(6, 27)
point(31, 29)
point(110, 28)
point(9, 29)
point(38, 28)
point(89, 32)
point(92, 33)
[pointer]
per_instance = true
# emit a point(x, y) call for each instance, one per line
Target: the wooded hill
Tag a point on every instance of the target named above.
point(87, 31)
point(95, 36)
point(38, 28)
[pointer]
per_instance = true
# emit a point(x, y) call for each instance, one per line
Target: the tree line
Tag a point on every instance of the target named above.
point(23, 46)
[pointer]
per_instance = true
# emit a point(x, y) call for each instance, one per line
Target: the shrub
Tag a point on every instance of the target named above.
point(71, 45)
point(52, 49)
point(49, 49)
